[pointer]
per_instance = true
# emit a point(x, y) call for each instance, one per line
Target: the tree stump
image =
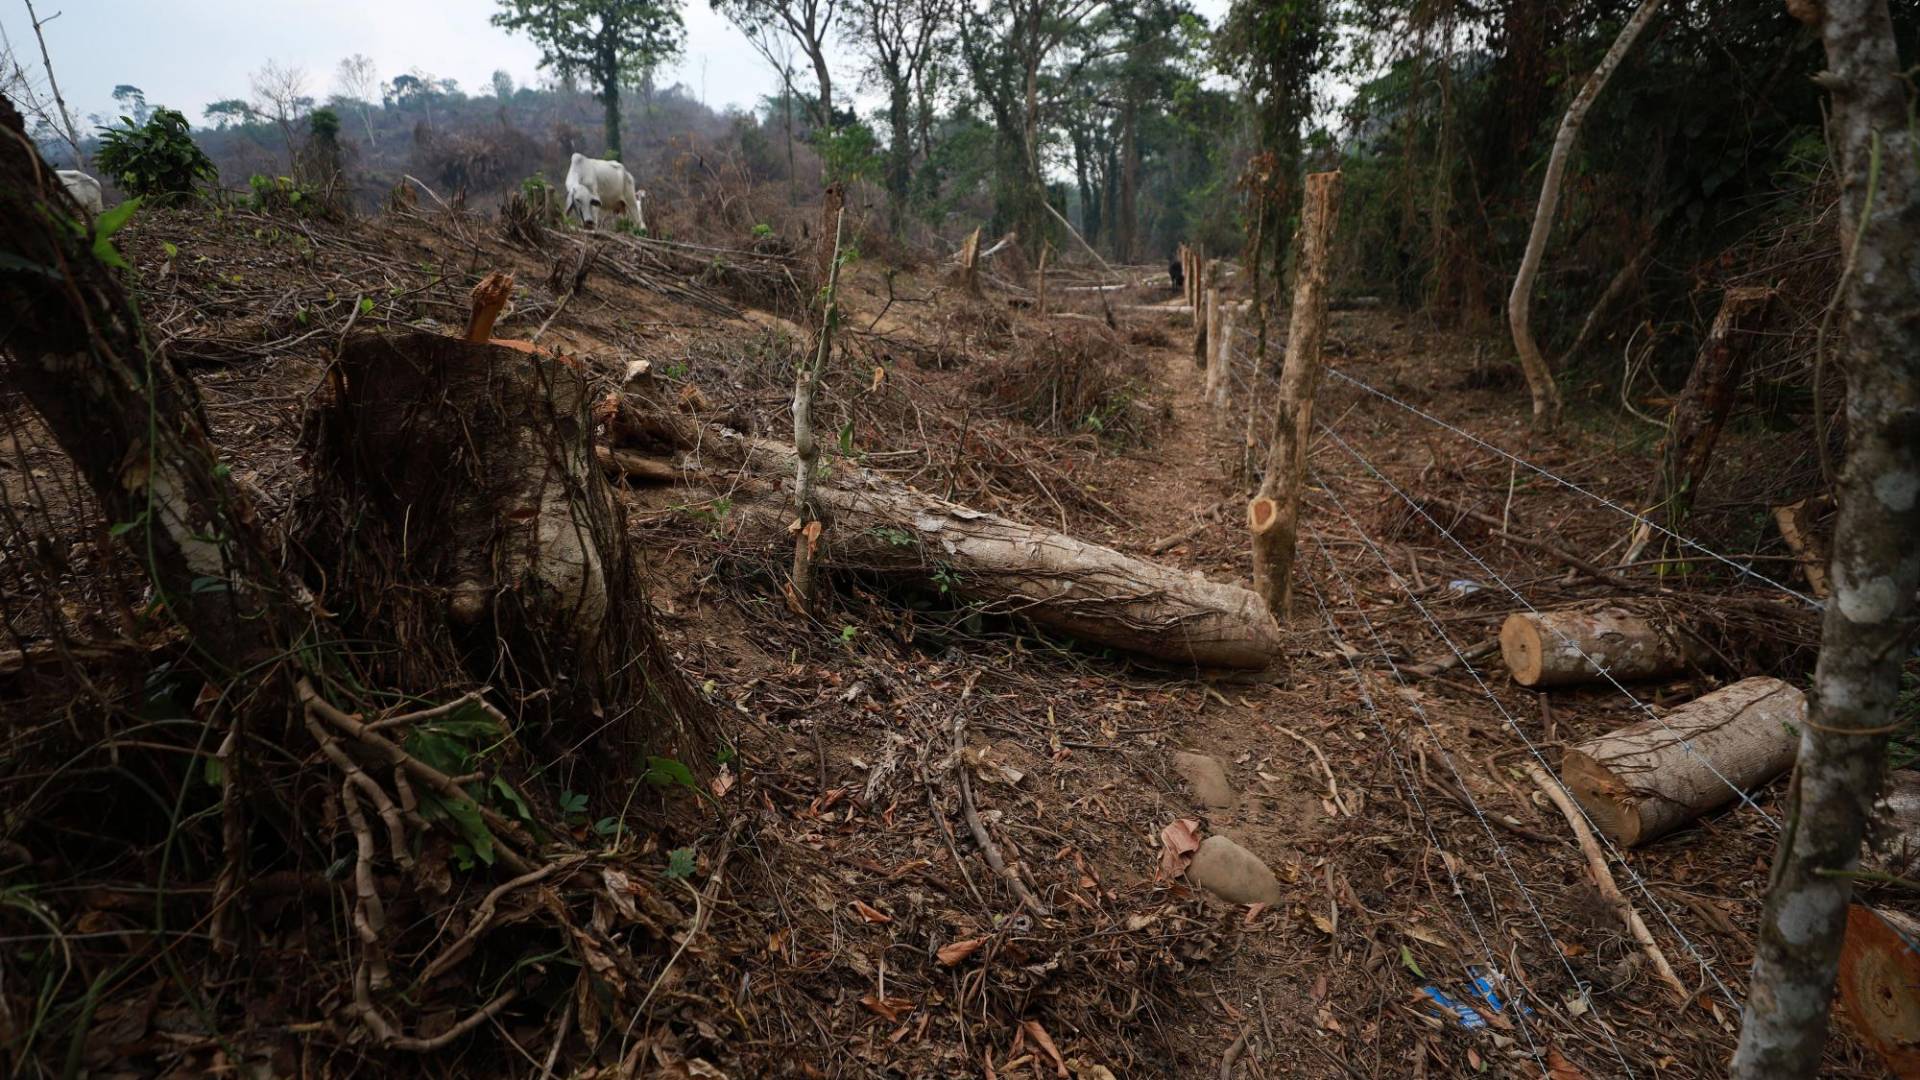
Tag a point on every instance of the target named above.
point(1645, 780)
point(1559, 648)
point(457, 510)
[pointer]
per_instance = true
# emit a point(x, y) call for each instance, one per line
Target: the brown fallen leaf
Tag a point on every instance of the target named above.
point(870, 913)
point(1559, 1068)
point(957, 951)
point(1178, 841)
point(890, 1009)
point(1040, 1036)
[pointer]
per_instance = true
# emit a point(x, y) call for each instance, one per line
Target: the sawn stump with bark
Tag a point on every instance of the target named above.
point(458, 510)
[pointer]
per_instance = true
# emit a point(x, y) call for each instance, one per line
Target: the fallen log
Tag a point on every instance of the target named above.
point(1073, 588)
point(1645, 780)
point(1880, 984)
point(1558, 648)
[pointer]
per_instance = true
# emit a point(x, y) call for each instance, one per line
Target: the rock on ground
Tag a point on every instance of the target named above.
point(1206, 777)
point(1233, 873)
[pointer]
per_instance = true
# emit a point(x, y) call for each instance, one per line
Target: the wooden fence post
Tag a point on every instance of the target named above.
point(1273, 516)
point(1216, 344)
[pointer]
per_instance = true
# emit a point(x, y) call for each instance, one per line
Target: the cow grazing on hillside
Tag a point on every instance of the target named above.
point(84, 189)
point(600, 190)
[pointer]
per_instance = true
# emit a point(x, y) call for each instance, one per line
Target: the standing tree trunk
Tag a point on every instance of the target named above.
point(899, 154)
point(1546, 396)
point(806, 449)
point(1126, 222)
point(1867, 624)
point(1274, 514)
point(610, 100)
point(1703, 407)
point(131, 422)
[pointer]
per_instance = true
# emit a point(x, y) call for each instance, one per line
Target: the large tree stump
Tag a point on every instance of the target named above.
point(457, 508)
point(1645, 780)
point(1880, 984)
point(1558, 648)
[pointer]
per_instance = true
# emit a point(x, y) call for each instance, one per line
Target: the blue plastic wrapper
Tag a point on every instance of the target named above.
point(1480, 985)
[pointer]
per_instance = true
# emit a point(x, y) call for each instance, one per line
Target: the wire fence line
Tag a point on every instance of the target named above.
point(1641, 519)
point(1513, 725)
point(1446, 758)
point(1413, 792)
point(1605, 673)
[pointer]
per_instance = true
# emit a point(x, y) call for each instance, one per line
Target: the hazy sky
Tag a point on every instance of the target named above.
point(188, 53)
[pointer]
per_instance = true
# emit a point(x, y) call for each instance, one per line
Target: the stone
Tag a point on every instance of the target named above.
point(1206, 777)
point(1233, 873)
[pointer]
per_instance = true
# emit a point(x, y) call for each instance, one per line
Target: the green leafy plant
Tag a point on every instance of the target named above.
point(158, 158)
point(680, 863)
point(666, 772)
point(762, 231)
point(281, 195)
point(456, 744)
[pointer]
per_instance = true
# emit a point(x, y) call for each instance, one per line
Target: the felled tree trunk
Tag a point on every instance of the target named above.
point(1559, 648)
point(1068, 586)
point(1880, 984)
point(458, 504)
point(1706, 402)
point(1073, 588)
point(1645, 780)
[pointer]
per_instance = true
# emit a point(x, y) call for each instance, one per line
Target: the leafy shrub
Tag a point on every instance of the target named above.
point(282, 195)
point(158, 158)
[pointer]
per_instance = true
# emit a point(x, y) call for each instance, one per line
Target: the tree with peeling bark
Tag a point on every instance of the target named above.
point(1869, 622)
point(1540, 384)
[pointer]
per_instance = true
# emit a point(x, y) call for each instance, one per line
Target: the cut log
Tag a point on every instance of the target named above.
point(1645, 780)
point(1560, 648)
point(1077, 589)
point(1093, 594)
point(1880, 984)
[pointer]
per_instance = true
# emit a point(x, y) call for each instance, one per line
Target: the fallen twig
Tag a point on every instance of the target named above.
point(1603, 880)
point(1333, 786)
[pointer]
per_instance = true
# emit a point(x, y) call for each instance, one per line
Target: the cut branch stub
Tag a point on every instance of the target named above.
point(1645, 780)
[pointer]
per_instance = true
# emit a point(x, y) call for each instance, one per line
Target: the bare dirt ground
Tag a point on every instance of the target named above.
point(850, 927)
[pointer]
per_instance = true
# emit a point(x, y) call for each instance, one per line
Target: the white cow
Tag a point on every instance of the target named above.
point(598, 189)
point(84, 189)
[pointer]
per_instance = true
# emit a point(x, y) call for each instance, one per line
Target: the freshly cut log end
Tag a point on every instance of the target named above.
point(1880, 985)
point(1645, 780)
point(1558, 648)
